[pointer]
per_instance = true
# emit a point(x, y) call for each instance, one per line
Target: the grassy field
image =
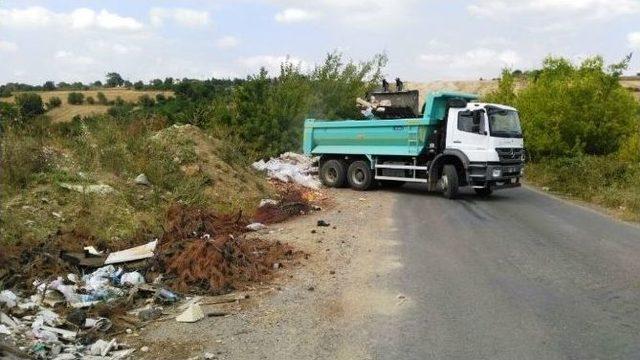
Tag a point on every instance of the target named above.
point(66, 112)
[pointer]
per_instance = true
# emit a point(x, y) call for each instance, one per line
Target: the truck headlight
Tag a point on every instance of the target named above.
point(496, 173)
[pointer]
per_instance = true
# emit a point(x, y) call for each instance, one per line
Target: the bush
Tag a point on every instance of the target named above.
point(29, 105)
point(268, 114)
point(102, 99)
point(160, 98)
point(22, 157)
point(54, 102)
point(146, 101)
point(568, 109)
point(91, 100)
point(75, 98)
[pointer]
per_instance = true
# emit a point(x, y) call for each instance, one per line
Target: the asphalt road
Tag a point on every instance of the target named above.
point(520, 275)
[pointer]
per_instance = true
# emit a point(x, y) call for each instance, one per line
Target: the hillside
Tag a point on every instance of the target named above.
point(66, 112)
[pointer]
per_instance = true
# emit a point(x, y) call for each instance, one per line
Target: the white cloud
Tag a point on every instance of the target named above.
point(227, 42)
point(182, 16)
point(479, 61)
point(33, 16)
point(270, 62)
point(68, 57)
point(634, 40)
point(293, 15)
point(583, 9)
point(81, 18)
point(8, 46)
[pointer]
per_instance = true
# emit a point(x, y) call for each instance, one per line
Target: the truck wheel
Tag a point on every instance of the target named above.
point(360, 176)
point(484, 192)
point(450, 182)
point(333, 173)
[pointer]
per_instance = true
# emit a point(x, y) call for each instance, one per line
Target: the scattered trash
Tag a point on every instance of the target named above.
point(135, 253)
point(144, 349)
point(265, 202)
point(8, 298)
point(256, 226)
point(323, 223)
point(149, 314)
point(142, 180)
point(290, 167)
point(93, 251)
point(102, 347)
point(100, 189)
point(545, 188)
point(77, 317)
point(132, 278)
point(100, 324)
point(192, 314)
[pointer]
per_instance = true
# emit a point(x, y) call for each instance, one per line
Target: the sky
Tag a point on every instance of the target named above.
point(425, 40)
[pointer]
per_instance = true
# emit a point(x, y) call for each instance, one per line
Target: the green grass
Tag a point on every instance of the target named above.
point(603, 180)
point(184, 165)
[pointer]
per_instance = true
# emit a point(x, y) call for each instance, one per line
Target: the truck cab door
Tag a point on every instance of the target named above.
point(467, 131)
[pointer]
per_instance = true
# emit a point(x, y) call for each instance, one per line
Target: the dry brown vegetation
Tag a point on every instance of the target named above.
point(66, 112)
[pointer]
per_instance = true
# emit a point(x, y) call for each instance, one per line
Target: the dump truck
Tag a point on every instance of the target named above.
point(456, 141)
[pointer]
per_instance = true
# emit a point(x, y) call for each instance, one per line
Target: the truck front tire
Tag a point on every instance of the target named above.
point(360, 176)
point(450, 182)
point(333, 173)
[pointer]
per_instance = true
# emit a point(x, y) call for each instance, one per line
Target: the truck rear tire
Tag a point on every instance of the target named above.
point(360, 176)
point(333, 173)
point(450, 182)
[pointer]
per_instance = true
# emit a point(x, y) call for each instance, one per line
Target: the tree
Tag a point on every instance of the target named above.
point(138, 85)
point(114, 79)
point(156, 84)
point(53, 102)
point(97, 83)
point(49, 86)
point(168, 83)
point(29, 105)
point(75, 98)
point(569, 109)
point(128, 84)
point(91, 100)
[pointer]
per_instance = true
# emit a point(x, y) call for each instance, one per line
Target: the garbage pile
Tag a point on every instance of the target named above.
point(78, 313)
point(61, 319)
point(291, 167)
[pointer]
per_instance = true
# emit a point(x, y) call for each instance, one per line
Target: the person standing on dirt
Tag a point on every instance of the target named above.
point(399, 85)
point(385, 85)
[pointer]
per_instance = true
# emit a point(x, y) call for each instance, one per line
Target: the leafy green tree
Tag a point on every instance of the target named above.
point(569, 109)
point(75, 98)
point(49, 86)
point(97, 84)
point(29, 105)
point(138, 85)
point(114, 79)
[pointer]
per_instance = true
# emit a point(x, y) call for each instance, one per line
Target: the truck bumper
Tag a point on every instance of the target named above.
point(495, 175)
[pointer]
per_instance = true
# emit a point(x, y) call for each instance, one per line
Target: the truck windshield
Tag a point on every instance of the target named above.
point(504, 123)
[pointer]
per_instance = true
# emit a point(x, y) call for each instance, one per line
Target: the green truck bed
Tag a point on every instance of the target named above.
point(399, 137)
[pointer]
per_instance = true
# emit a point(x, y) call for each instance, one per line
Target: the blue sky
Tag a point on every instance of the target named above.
point(424, 40)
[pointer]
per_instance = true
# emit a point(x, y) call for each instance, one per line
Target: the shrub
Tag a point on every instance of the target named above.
point(29, 105)
point(54, 102)
point(22, 157)
point(568, 109)
point(160, 98)
point(118, 101)
point(75, 98)
point(146, 101)
point(102, 99)
point(91, 100)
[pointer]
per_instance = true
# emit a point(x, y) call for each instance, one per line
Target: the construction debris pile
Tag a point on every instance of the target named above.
point(291, 167)
point(78, 313)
